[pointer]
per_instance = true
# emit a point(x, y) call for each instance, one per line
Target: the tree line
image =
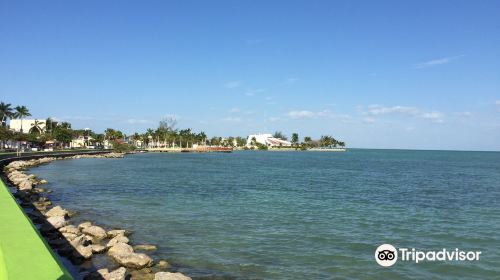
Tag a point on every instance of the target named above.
point(308, 142)
point(165, 135)
point(58, 132)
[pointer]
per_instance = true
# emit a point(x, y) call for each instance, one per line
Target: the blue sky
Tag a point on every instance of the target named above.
point(377, 74)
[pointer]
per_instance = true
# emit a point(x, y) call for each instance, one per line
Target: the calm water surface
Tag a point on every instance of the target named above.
point(294, 215)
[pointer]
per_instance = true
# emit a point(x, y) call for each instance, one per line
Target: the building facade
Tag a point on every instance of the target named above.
point(28, 126)
point(268, 140)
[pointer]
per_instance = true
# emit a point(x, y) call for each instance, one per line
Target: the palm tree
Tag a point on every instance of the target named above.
point(49, 125)
point(36, 127)
point(5, 113)
point(295, 139)
point(21, 112)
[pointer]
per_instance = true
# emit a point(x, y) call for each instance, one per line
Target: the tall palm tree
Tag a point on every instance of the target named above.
point(49, 125)
point(36, 127)
point(21, 113)
point(5, 113)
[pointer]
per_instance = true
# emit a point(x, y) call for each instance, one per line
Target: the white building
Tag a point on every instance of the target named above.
point(82, 142)
point(28, 125)
point(268, 140)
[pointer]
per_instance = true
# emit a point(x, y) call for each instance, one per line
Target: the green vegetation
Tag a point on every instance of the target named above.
point(121, 147)
point(21, 113)
point(40, 134)
point(280, 135)
point(295, 140)
point(53, 134)
point(6, 112)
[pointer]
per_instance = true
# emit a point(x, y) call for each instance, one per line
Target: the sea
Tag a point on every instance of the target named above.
point(294, 214)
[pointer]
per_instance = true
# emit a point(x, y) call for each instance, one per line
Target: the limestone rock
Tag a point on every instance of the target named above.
point(117, 239)
point(70, 229)
point(82, 246)
point(145, 247)
point(120, 248)
point(56, 212)
point(97, 249)
point(96, 232)
point(124, 255)
point(25, 185)
point(171, 276)
point(69, 236)
point(162, 264)
point(116, 232)
point(142, 274)
point(57, 222)
point(117, 274)
point(84, 225)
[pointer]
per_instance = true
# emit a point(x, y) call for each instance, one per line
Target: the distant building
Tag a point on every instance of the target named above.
point(268, 140)
point(28, 126)
point(82, 142)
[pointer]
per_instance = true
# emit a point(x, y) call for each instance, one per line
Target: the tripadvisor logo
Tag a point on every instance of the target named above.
point(387, 255)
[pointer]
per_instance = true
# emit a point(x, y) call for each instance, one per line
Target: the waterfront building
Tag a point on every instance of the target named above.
point(82, 142)
point(33, 126)
point(268, 140)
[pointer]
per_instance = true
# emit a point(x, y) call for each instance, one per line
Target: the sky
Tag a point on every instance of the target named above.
point(375, 74)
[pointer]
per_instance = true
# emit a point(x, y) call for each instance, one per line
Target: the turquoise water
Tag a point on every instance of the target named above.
point(295, 215)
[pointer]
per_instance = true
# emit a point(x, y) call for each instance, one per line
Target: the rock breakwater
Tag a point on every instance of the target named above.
point(83, 243)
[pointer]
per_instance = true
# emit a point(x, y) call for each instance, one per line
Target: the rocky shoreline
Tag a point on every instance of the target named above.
point(85, 243)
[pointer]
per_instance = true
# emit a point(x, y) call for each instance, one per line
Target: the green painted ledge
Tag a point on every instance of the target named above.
point(24, 254)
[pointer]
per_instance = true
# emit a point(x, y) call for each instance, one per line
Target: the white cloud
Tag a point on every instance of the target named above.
point(234, 110)
point(138, 121)
point(274, 119)
point(80, 118)
point(290, 80)
point(300, 114)
point(368, 120)
point(434, 116)
point(464, 114)
point(436, 62)
point(498, 104)
point(377, 110)
point(252, 92)
point(304, 114)
point(232, 84)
